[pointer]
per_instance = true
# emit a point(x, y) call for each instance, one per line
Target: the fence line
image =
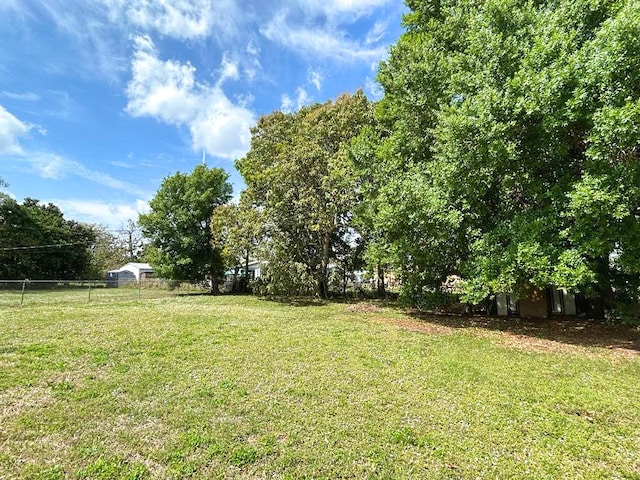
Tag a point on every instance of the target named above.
point(18, 292)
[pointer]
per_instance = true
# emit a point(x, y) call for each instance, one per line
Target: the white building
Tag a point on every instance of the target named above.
point(131, 272)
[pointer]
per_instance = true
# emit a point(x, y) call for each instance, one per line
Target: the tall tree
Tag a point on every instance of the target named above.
point(299, 175)
point(511, 154)
point(178, 225)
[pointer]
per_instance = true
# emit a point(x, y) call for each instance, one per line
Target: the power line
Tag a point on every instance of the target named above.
point(33, 247)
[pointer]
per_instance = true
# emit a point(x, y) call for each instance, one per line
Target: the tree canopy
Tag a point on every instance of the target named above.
point(508, 146)
point(179, 225)
point(38, 243)
point(298, 173)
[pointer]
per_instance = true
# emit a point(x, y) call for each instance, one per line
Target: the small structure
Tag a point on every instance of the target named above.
point(542, 304)
point(131, 272)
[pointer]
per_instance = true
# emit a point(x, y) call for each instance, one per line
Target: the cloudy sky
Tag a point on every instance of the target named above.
point(102, 99)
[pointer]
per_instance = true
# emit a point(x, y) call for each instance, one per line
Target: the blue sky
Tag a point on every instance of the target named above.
point(102, 99)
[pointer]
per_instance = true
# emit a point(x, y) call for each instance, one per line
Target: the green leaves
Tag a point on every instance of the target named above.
point(509, 145)
point(39, 243)
point(299, 175)
point(178, 224)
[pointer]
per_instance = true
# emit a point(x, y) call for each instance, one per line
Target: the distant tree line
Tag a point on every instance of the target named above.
point(38, 243)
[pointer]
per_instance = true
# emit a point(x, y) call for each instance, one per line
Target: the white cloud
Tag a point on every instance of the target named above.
point(253, 49)
point(286, 104)
point(168, 91)
point(244, 100)
point(348, 9)
point(302, 97)
point(180, 19)
point(252, 61)
point(101, 212)
point(24, 97)
point(11, 129)
point(158, 89)
point(117, 163)
point(376, 33)
point(315, 78)
point(49, 165)
point(228, 70)
point(320, 42)
point(222, 128)
point(97, 30)
point(374, 89)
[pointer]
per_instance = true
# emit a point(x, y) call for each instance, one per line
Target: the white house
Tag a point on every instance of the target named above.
point(131, 272)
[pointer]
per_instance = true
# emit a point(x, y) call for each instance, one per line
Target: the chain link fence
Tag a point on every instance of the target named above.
point(33, 292)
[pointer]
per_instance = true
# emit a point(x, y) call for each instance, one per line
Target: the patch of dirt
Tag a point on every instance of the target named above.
point(554, 335)
point(416, 326)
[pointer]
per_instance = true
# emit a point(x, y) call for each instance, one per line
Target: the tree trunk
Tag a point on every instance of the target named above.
point(214, 282)
point(234, 285)
point(245, 284)
point(323, 290)
point(344, 282)
point(382, 293)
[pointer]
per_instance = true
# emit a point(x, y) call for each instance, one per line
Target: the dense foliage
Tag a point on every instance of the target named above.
point(236, 232)
point(179, 225)
point(299, 176)
point(508, 145)
point(38, 243)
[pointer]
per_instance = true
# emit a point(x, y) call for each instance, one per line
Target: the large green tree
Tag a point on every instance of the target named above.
point(509, 146)
point(40, 244)
point(178, 225)
point(299, 175)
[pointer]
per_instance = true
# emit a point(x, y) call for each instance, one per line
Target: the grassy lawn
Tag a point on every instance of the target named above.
point(238, 387)
point(45, 294)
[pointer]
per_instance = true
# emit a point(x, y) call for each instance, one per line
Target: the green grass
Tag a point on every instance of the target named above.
point(45, 293)
point(237, 387)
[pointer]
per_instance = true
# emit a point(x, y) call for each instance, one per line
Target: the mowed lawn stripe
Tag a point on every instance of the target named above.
point(238, 387)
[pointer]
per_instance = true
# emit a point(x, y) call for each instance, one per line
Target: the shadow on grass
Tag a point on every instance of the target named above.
point(196, 294)
point(298, 301)
point(568, 330)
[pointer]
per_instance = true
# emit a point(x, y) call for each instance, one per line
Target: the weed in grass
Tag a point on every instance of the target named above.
point(403, 436)
point(243, 455)
point(112, 468)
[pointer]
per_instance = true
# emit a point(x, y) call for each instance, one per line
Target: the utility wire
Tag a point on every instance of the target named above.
point(33, 247)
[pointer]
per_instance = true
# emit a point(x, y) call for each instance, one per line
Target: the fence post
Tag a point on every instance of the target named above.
point(139, 287)
point(24, 284)
point(89, 291)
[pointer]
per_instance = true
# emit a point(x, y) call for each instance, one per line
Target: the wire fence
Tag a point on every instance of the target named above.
point(33, 292)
